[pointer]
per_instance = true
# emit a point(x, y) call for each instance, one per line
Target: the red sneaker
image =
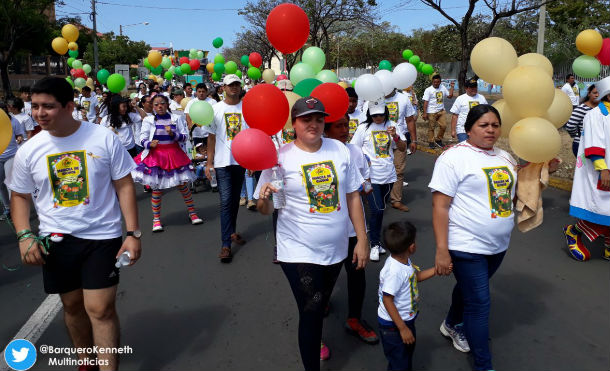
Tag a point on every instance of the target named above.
point(324, 352)
point(361, 329)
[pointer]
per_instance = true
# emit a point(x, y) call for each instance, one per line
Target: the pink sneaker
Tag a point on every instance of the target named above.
point(324, 352)
point(195, 219)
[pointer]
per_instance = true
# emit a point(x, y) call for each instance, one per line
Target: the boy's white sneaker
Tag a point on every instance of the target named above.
point(381, 250)
point(456, 334)
point(374, 253)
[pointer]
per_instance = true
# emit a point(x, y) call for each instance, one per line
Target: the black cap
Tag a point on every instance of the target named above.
point(471, 83)
point(307, 106)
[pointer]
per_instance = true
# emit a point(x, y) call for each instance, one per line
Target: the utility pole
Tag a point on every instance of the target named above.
point(541, 28)
point(95, 59)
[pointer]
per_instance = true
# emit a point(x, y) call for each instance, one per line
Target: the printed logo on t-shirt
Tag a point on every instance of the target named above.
point(411, 98)
point(322, 185)
point(381, 142)
point(288, 135)
point(86, 104)
point(472, 103)
point(68, 177)
point(353, 125)
point(393, 109)
point(575, 89)
point(233, 124)
point(439, 97)
point(499, 184)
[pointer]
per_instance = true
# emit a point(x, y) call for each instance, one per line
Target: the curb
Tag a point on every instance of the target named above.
point(555, 182)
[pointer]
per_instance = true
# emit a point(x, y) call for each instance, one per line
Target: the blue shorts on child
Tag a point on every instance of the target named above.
point(398, 354)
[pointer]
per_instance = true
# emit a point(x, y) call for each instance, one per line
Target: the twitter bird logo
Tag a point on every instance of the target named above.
point(20, 354)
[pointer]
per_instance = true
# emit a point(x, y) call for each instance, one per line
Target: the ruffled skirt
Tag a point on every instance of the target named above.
point(165, 166)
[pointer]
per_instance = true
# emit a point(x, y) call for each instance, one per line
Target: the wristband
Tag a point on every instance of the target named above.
point(23, 232)
point(396, 138)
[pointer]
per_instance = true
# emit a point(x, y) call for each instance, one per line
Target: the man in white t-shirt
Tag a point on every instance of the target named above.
point(356, 117)
point(26, 96)
point(77, 174)
point(198, 134)
point(174, 104)
point(28, 125)
point(89, 104)
point(228, 122)
point(462, 106)
point(434, 110)
point(571, 89)
point(188, 90)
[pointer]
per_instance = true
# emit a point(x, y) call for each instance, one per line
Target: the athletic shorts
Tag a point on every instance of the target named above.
point(77, 263)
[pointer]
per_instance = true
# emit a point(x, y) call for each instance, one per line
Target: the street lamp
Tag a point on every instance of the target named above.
point(128, 25)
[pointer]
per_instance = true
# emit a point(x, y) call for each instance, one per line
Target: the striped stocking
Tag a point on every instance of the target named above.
point(188, 199)
point(156, 206)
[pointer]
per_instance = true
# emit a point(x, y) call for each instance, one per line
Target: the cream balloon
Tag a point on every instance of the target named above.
point(535, 139)
point(492, 59)
point(155, 58)
point(589, 42)
point(537, 60)
point(343, 84)
point(292, 98)
point(529, 91)
point(184, 102)
point(387, 83)
point(160, 80)
point(507, 116)
point(90, 82)
point(560, 110)
point(268, 75)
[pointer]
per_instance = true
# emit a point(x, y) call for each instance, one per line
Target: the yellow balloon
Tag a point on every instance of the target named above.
point(536, 60)
point(90, 82)
point(184, 102)
point(508, 117)
point(155, 58)
point(268, 75)
point(210, 67)
point(60, 45)
point(343, 84)
point(69, 32)
point(72, 45)
point(6, 130)
point(535, 139)
point(529, 91)
point(152, 77)
point(589, 42)
point(492, 59)
point(560, 110)
point(160, 80)
point(292, 98)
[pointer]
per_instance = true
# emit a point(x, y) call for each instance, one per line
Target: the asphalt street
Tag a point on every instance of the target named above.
point(181, 309)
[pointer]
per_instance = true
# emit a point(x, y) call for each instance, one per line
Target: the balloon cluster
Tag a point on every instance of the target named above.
point(596, 52)
point(532, 109)
point(374, 87)
point(67, 44)
point(156, 63)
point(420, 66)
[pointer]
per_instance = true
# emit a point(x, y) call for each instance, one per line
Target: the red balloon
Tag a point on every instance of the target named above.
point(72, 71)
point(79, 72)
point(255, 59)
point(266, 108)
point(334, 98)
point(184, 60)
point(604, 54)
point(287, 28)
point(194, 63)
point(281, 77)
point(253, 149)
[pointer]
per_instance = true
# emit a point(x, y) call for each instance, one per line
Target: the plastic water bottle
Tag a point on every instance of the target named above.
point(277, 181)
point(367, 186)
point(213, 181)
point(123, 260)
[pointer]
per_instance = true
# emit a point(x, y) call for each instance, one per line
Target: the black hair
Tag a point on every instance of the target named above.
point(327, 125)
point(4, 107)
point(24, 89)
point(399, 236)
point(187, 84)
point(166, 99)
point(16, 102)
point(201, 85)
point(115, 117)
point(85, 88)
point(142, 84)
point(351, 92)
point(141, 103)
point(437, 76)
point(589, 90)
point(569, 75)
point(59, 88)
point(369, 118)
point(476, 112)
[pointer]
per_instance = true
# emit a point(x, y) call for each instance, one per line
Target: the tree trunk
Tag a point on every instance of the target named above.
point(6, 82)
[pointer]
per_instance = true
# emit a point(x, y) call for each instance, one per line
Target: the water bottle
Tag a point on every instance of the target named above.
point(367, 186)
point(213, 181)
point(123, 260)
point(277, 181)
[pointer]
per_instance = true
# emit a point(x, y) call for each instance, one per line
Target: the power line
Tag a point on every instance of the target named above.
point(167, 8)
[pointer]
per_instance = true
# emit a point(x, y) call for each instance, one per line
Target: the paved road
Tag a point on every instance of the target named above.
point(181, 309)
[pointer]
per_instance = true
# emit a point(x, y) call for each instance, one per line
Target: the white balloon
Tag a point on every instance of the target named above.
point(368, 87)
point(404, 75)
point(387, 83)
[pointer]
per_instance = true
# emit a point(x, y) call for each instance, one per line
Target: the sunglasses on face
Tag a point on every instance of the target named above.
point(378, 115)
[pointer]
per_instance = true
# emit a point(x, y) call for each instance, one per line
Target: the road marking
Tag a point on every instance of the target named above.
point(37, 324)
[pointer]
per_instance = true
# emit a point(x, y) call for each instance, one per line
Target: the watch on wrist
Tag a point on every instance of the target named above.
point(135, 234)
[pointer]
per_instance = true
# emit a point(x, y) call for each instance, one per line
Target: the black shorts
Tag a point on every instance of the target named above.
point(77, 263)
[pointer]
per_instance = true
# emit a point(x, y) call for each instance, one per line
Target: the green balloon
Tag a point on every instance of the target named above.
point(146, 63)
point(306, 86)
point(68, 79)
point(199, 54)
point(385, 65)
point(168, 75)
point(157, 70)
point(116, 82)
point(238, 73)
point(166, 63)
point(178, 71)
point(414, 60)
point(73, 53)
point(70, 61)
point(193, 51)
point(254, 73)
point(230, 67)
point(77, 64)
point(327, 76)
point(80, 82)
point(102, 75)
point(172, 69)
point(219, 68)
point(406, 54)
point(186, 68)
point(86, 68)
point(244, 60)
point(218, 58)
point(133, 95)
point(420, 65)
point(354, 83)
point(201, 113)
point(300, 72)
point(314, 57)
point(586, 66)
point(427, 69)
point(217, 42)
point(216, 76)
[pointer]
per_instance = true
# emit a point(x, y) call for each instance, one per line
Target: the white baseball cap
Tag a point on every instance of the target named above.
point(603, 88)
point(229, 79)
point(377, 107)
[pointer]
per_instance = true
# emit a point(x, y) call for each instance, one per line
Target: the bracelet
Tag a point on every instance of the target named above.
point(23, 232)
point(396, 138)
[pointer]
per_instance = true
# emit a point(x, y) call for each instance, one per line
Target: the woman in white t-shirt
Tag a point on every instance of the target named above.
point(473, 187)
point(121, 121)
point(376, 136)
point(320, 187)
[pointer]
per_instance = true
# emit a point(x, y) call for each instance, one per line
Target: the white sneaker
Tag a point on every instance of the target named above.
point(374, 254)
point(456, 334)
point(382, 250)
point(408, 151)
point(404, 184)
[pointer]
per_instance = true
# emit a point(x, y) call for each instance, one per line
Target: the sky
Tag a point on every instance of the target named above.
point(190, 24)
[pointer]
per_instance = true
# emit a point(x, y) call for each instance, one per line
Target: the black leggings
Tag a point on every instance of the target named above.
point(356, 282)
point(311, 286)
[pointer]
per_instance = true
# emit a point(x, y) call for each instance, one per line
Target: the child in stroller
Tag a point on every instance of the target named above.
point(200, 159)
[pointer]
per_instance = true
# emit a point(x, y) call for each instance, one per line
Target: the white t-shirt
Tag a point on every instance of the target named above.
point(27, 108)
point(355, 119)
point(174, 106)
point(376, 144)
point(462, 106)
point(400, 108)
point(12, 147)
point(435, 98)
point(362, 165)
point(400, 281)
point(573, 92)
point(89, 105)
point(228, 122)
point(27, 123)
point(70, 180)
point(482, 184)
point(312, 227)
point(125, 132)
point(198, 131)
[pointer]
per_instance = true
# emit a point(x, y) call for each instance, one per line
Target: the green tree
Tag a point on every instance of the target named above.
point(113, 49)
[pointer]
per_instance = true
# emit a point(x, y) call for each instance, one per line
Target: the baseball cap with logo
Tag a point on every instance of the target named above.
point(307, 106)
point(377, 107)
point(229, 79)
point(471, 83)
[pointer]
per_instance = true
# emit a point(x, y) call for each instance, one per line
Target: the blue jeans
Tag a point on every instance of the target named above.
point(377, 200)
point(247, 189)
point(230, 180)
point(462, 137)
point(398, 354)
point(575, 148)
point(200, 171)
point(470, 301)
